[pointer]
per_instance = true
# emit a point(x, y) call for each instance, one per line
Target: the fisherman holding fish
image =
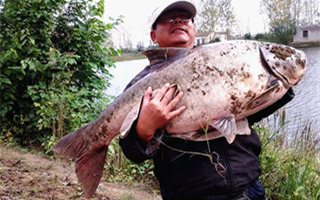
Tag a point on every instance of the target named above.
point(234, 170)
point(190, 111)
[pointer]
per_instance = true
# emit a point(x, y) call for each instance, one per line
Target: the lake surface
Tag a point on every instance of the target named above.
point(123, 73)
point(303, 110)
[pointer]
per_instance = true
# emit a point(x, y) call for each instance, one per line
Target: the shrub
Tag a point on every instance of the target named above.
point(54, 59)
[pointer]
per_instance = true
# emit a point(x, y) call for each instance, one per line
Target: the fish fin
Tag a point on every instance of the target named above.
point(243, 127)
point(226, 126)
point(89, 169)
point(130, 119)
point(89, 166)
point(266, 97)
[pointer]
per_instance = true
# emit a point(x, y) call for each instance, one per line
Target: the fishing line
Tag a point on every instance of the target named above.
point(210, 156)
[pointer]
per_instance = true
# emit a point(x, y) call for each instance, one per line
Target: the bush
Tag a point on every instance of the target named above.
point(119, 168)
point(54, 59)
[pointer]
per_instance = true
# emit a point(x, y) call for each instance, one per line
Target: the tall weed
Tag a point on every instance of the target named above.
point(290, 168)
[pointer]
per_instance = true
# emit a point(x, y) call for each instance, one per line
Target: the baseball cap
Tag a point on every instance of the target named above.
point(177, 5)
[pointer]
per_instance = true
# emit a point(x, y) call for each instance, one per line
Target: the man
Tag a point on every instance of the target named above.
point(180, 175)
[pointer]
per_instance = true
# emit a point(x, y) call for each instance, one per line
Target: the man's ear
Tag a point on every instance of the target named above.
point(153, 36)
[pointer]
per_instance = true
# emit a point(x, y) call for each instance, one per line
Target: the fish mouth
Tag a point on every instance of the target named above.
point(273, 71)
point(286, 82)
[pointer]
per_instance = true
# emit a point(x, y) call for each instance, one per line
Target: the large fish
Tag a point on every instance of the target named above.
point(222, 84)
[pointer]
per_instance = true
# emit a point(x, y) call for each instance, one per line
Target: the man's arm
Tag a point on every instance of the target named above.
point(134, 148)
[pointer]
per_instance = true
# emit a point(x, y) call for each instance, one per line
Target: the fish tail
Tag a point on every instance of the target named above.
point(89, 170)
point(89, 164)
point(72, 145)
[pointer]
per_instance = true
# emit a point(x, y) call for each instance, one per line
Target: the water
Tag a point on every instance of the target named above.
point(302, 110)
point(123, 73)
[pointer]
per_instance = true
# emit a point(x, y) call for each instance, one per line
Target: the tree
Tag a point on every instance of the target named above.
point(53, 59)
point(219, 13)
point(281, 21)
point(285, 15)
point(140, 46)
point(208, 12)
point(309, 12)
point(247, 36)
point(227, 17)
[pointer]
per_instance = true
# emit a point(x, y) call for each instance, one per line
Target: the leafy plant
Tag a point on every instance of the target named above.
point(54, 59)
point(119, 168)
point(289, 170)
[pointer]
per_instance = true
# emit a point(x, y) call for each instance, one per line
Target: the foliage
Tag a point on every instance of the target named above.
point(260, 37)
point(140, 47)
point(215, 40)
point(283, 31)
point(119, 168)
point(53, 58)
point(281, 20)
point(247, 36)
point(289, 171)
point(306, 12)
point(220, 14)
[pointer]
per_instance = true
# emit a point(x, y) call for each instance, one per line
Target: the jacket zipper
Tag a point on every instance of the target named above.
point(230, 174)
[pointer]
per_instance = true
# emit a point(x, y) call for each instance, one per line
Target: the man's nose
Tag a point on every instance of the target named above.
point(177, 20)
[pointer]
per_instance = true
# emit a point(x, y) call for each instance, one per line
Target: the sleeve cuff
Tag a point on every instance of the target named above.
point(135, 149)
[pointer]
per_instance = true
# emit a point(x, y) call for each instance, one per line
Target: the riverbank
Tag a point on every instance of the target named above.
point(305, 44)
point(25, 175)
point(289, 171)
point(128, 56)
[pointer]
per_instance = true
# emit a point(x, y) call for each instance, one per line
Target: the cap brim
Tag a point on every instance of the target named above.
point(180, 5)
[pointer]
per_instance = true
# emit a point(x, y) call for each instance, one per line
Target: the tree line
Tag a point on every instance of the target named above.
point(218, 16)
point(283, 18)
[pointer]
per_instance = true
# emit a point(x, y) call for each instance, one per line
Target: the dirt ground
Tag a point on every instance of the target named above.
point(29, 176)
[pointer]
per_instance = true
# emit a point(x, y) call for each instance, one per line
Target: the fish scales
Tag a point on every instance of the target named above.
point(222, 84)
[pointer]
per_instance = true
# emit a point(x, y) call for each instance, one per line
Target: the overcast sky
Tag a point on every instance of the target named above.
point(136, 14)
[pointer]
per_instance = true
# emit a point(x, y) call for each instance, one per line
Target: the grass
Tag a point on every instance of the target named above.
point(290, 169)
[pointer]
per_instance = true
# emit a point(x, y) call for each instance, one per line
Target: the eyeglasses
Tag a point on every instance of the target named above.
point(173, 19)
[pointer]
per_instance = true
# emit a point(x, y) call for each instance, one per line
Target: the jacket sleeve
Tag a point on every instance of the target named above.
point(271, 109)
point(135, 149)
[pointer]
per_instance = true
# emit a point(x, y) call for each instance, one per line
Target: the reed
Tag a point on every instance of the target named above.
point(290, 164)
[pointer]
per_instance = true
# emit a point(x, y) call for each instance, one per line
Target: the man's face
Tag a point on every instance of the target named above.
point(174, 29)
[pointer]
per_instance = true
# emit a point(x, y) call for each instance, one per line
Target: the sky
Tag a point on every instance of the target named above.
point(136, 16)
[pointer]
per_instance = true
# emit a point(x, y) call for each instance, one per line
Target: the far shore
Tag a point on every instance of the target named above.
point(129, 56)
point(306, 44)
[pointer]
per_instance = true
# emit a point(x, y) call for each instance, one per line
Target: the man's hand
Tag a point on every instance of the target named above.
point(157, 111)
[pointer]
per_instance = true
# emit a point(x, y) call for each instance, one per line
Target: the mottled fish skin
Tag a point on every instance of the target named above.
point(287, 63)
point(222, 83)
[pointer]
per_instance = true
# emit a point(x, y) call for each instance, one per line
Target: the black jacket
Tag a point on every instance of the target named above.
point(183, 175)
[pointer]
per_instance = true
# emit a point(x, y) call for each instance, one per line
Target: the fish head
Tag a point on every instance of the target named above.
point(286, 63)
